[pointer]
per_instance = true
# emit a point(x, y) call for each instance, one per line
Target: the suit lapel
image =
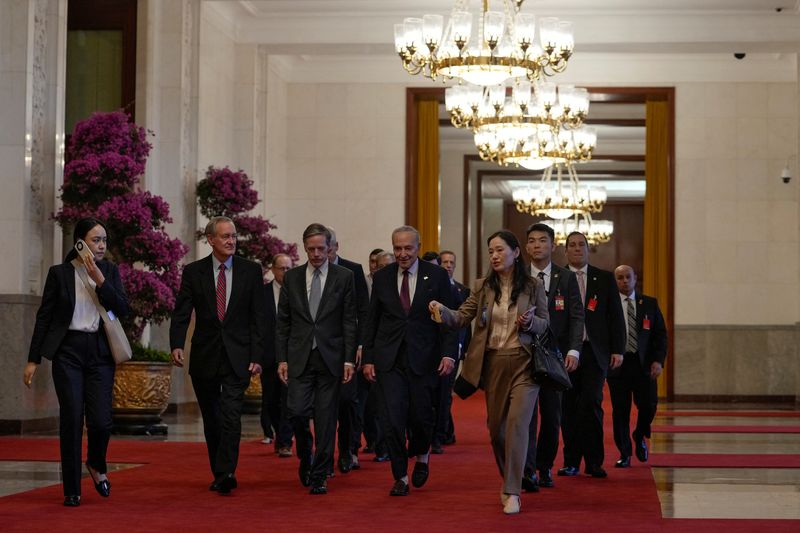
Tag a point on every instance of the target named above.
point(207, 283)
point(555, 285)
point(422, 279)
point(237, 285)
point(300, 287)
point(393, 289)
point(69, 273)
point(326, 290)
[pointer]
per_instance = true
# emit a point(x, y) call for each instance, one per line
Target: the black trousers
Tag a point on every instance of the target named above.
point(542, 451)
point(274, 416)
point(582, 412)
point(406, 409)
point(220, 399)
point(315, 394)
point(349, 426)
point(373, 425)
point(84, 379)
point(632, 383)
point(444, 428)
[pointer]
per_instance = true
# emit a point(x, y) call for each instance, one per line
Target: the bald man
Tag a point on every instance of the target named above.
point(645, 352)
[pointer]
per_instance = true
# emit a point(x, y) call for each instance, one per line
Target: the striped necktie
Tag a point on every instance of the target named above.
point(221, 293)
point(633, 342)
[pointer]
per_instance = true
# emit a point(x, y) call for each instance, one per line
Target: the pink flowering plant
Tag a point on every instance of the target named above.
point(224, 192)
point(106, 159)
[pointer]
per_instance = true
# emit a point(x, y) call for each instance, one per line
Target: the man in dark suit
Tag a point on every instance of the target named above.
point(444, 432)
point(603, 346)
point(645, 352)
point(316, 348)
point(406, 352)
point(352, 393)
point(274, 417)
point(566, 322)
point(226, 294)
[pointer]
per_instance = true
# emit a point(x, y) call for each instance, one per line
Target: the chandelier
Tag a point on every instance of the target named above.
point(560, 198)
point(596, 231)
point(486, 48)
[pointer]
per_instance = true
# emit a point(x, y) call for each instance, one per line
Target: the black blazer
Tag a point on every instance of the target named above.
point(362, 295)
point(388, 327)
point(240, 335)
point(566, 323)
point(269, 331)
point(460, 295)
point(58, 305)
point(651, 342)
point(605, 324)
point(334, 326)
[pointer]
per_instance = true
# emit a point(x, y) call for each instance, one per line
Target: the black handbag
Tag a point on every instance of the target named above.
point(547, 364)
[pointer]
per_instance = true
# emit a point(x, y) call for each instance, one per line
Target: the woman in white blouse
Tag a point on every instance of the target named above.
point(509, 306)
point(69, 331)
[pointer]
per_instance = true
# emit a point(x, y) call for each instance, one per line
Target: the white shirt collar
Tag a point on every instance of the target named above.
point(323, 270)
point(632, 296)
point(547, 270)
point(585, 269)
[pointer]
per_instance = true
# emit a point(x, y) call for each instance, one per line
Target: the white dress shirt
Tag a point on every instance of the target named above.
point(85, 316)
point(547, 270)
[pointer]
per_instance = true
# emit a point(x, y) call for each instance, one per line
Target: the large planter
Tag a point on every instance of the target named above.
point(252, 397)
point(141, 395)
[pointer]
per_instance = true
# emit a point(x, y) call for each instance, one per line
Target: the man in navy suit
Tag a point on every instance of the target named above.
point(406, 352)
point(602, 349)
point(226, 294)
point(645, 352)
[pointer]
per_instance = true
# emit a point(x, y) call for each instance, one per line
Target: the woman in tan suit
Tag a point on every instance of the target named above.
point(510, 306)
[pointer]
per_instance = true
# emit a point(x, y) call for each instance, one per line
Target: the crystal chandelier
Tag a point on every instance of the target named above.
point(596, 231)
point(560, 198)
point(484, 48)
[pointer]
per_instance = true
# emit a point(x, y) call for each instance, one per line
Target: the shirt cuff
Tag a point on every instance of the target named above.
point(575, 353)
point(448, 357)
point(349, 364)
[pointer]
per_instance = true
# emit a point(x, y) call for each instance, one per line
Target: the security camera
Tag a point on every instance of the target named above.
point(786, 174)
point(739, 55)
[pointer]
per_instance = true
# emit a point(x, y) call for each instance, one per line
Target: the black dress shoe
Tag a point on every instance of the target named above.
point(569, 471)
point(345, 465)
point(546, 478)
point(369, 448)
point(318, 488)
point(305, 472)
point(381, 457)
point(450, 440)
point(596, 471)
point(641, 449)
point(103, 487)
point(623, 462)
point(355, 465)
point(437, 449)
point(72, 501)
point(420, 474)
point(214, 487)
point(226, 483)
point(399, 489)
point(530, 483)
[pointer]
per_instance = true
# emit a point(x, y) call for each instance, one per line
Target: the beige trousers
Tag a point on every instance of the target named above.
point(510, 400)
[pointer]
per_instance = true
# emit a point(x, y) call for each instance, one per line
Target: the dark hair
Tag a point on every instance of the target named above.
point(544, 228)
point(376, 251)
point(82, 228)
point(521, 279)
point(446, 252)
point(431, 256)
point(576, 233)
point(317, 229)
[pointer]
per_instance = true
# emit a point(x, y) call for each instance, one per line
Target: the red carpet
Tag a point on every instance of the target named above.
point(169, 492)
point(728, 460)
point(726, 429)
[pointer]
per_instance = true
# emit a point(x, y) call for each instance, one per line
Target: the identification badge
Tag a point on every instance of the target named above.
point(559, 303)
point(646, 323)
point(592, 305)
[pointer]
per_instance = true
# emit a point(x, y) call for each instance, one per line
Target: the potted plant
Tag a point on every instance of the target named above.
point(141, 392)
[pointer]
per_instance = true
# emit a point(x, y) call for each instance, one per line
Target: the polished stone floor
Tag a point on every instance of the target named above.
point(767, 493)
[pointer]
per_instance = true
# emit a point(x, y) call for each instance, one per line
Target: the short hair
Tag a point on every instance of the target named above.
point(278, 256)
point(315, 229)
point(406, 229)
point(383, 254)
point(447, 252)
point(333, 235)
point(576, 233)
point(376, 251)
point(544, 228)
point(211, 227)
point(431, 256)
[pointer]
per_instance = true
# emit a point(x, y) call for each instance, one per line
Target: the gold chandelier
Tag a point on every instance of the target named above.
point(560, 198)
point(486, 48)
point(596, 231)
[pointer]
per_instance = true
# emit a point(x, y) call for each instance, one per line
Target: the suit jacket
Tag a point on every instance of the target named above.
point(460, 294)
point(334, 327)
point(58, 305)
point(605, 323)
point(241, 335)
point(270, 325)
point(651, 342)
point(362, 295)
point(388, 327)
point(567, 322)
point(480, 304)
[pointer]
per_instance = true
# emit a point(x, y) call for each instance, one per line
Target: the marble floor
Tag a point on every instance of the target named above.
point(766, 493)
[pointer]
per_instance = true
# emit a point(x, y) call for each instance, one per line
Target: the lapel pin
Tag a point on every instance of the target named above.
point(425, 277)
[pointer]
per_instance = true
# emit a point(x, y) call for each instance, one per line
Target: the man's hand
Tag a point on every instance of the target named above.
point(254, 368)
point(177, 357)
point(30, 370)
point(358, 356)
point(446, 366)
point(571, 363)
point(283, 372)
point(369, 372)
point(655, 370)
point(616, 361)
point(348, 373)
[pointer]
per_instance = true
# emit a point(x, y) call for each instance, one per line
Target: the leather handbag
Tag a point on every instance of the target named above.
point(547, 363)
point(117, 340)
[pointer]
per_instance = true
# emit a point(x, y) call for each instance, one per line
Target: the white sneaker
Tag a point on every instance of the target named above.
point(266, 440)
point(512, 504)
point(503, 497)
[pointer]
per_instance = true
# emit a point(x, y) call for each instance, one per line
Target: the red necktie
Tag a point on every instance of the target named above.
point(221, 290)
point(405, 295)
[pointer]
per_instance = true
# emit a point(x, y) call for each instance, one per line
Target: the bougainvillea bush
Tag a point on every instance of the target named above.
point(106, 157)
point(224, 192)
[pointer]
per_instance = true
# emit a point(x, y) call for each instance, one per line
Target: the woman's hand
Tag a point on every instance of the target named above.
point(93, 271)
point(433, 306)
point(30, 370)
point(524, 320)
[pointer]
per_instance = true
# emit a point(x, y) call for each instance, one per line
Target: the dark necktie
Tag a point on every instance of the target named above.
point(405, 295)
point(541, 278)
point(221, 293)
point(633, 342)
point(316, 293)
